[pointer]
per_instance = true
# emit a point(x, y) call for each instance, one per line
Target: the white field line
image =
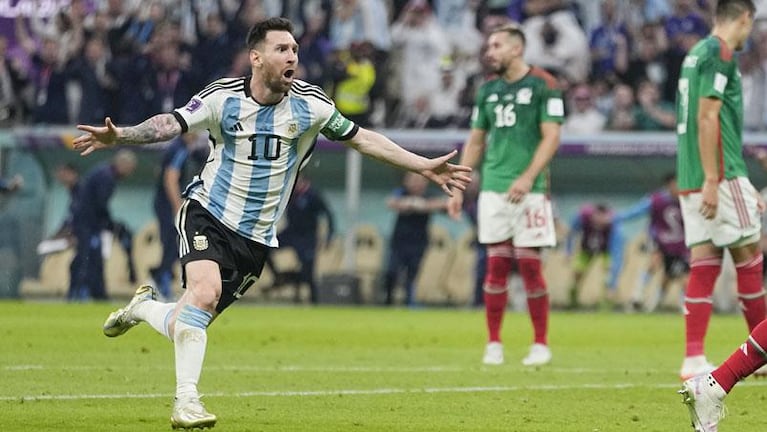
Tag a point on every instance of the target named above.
point(362, 392)
point(342, 369)
point(343, 392)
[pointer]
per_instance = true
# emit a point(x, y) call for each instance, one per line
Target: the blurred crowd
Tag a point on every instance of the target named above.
point(386, 63)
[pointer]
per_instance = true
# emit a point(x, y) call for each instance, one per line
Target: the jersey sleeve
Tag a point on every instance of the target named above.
point(714, 75)
point(552, 106)
point(479, 119)
point(333, 124)
point(197, 114)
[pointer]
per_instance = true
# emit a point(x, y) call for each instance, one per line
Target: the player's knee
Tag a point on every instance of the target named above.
point(203, 291)
point(498, 269)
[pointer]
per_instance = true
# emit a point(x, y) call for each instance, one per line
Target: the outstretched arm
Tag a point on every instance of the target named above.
point(161, 127)
point(438, 170)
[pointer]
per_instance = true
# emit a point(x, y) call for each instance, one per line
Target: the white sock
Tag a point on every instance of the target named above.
point(190, 338)
point(156, 314)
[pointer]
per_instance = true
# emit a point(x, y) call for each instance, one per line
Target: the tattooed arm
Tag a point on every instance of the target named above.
point(161, 127)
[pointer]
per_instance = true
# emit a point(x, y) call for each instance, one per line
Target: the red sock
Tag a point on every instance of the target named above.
point(697, 302)
point(496, 295)
point(537, 296)
point(745, 360)
point(495, 306)
point(750, 291)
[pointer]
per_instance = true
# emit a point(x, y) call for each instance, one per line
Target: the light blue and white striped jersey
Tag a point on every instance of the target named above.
point(256, 150)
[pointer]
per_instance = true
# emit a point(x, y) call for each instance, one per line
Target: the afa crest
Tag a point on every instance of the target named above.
point(292, 128)
point(200, 242)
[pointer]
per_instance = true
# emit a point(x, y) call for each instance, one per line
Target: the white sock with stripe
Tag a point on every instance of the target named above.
point(156, 314)
point(191, 338)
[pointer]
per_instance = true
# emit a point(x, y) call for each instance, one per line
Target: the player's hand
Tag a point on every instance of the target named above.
point(710, 202)
point(761, 206)
point(447, 175)
point(519, 189)
point(455, 205)
point(96, 137)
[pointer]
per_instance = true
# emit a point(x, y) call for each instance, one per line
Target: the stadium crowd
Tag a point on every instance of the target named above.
point(617, 60)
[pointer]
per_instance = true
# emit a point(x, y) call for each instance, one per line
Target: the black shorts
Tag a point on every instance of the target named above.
point(675, 265)
point(203, 237)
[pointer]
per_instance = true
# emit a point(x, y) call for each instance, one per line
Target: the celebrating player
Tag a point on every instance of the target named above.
point(262, 131)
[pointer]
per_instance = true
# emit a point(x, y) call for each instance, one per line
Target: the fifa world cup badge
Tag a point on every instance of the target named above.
point(200, 242)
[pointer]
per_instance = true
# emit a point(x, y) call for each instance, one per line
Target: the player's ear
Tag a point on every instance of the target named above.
point(255, 58)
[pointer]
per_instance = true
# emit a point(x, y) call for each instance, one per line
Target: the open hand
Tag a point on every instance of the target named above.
point(96, 137)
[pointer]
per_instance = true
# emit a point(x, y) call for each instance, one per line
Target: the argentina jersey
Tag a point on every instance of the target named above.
point(256, 150)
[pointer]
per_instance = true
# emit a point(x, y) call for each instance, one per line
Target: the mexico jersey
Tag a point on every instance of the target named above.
point(256, 150)
point(511, 113)
point(709, 71)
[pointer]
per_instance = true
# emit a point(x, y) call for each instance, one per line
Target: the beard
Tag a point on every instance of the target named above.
point(276, 83)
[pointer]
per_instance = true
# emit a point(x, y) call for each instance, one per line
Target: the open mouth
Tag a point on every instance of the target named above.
point(289, 73)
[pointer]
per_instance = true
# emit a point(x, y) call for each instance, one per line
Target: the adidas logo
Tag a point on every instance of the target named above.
point(237, 127)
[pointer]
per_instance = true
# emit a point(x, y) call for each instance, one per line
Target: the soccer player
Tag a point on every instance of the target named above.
point(262, 131)
point(666, 232)
point(601, 238)
point(515, 132)
point(720, 206)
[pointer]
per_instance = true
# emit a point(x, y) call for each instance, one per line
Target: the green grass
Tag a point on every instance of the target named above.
point(358, 369)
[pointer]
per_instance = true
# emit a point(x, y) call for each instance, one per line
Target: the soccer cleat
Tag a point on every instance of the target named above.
point(121, 320)
point(694, 366)
point(704, 399)
point(190, 413)
point(539, 355)
point(761, 372)
point(493, 354)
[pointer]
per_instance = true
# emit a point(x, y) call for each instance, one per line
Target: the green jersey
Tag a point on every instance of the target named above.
point(511, 113)
point(709, 71)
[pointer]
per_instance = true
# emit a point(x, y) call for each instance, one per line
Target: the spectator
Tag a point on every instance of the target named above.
point(421, 45)
point(555, 41)
point(653, 114)
point(354, 81)
point(91, 217)
point(414, 206)
point(650, 61)
point(623, 116)
point(315, 50)
point(50, 104)
point(13, 80)
point(89, 73)
point(610, 43)
point(444, 110)
point(305, 210)
point(583, 117)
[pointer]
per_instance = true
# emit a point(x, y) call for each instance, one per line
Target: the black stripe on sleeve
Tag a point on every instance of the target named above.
point(351, 133)
point(181, 121)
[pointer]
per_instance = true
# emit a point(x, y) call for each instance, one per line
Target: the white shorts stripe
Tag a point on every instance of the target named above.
point(183, 241)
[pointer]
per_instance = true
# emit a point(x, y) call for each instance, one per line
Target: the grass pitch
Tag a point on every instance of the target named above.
point(359, 369)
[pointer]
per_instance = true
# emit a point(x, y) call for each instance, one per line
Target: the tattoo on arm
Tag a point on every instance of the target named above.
point(161, 127)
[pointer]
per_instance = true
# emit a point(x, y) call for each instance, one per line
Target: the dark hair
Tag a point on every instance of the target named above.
point(731, 9)
point(512, 29)
point(258, 32)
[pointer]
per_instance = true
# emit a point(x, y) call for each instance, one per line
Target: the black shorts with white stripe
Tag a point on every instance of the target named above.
point(203, 237)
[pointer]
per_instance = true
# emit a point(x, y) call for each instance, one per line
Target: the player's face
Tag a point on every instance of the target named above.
point(502, 49)
point(277, 60)
point(747, 22)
